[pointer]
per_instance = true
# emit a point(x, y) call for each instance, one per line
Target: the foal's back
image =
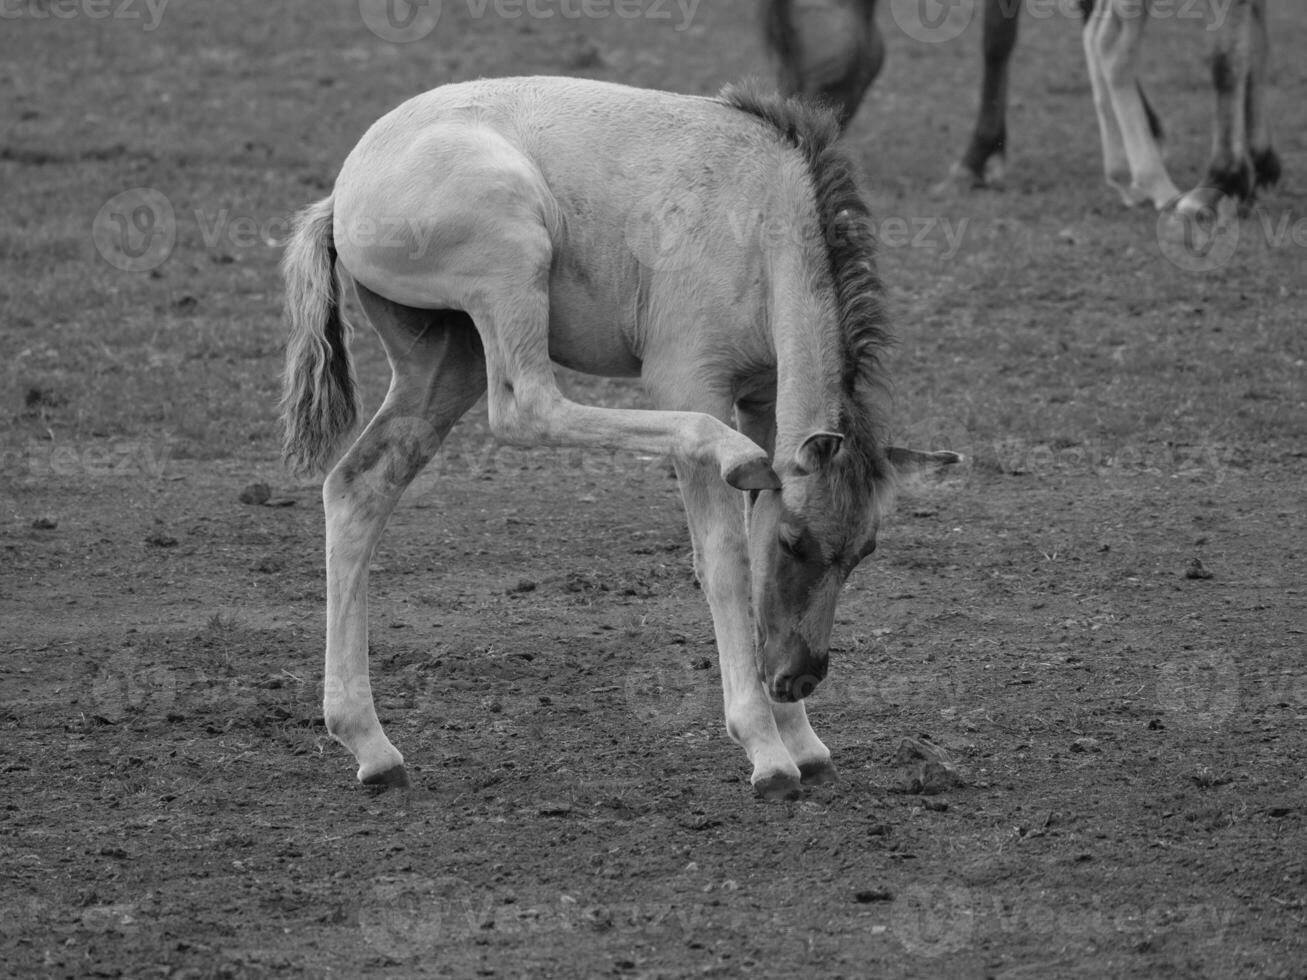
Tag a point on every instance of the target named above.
point(653, 203)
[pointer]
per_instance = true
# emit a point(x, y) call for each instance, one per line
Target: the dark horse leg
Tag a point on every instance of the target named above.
point(983, 163)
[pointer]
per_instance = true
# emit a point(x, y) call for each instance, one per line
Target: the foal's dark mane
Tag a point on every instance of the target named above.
point(850, 238)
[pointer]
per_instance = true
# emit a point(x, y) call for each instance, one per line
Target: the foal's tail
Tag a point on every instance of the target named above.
point(318, 404)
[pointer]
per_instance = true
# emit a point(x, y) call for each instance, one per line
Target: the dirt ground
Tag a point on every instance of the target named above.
point(1099, 618)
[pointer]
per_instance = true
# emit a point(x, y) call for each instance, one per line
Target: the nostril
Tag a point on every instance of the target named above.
point(805, 684)
point(795, 687)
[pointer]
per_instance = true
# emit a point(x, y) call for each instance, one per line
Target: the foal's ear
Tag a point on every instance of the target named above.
point(909, 461)
point(817, 450)
point(756, 474)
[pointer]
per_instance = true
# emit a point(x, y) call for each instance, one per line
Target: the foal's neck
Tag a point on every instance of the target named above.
point(809, 351)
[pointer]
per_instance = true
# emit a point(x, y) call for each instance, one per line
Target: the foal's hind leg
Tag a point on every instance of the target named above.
point(437, 374)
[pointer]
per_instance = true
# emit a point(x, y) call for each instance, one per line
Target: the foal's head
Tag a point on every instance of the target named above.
point(807, 536)
point(804, 540)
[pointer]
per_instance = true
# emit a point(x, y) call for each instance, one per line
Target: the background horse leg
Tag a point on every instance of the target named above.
point(1132, 158)
point(984, 162)
point(716, 517)
point(1240, 49)
point(827, 50)
point(438, 374)
point(1266, 162)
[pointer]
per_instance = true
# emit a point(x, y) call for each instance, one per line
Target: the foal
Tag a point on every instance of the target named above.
point(492, 228)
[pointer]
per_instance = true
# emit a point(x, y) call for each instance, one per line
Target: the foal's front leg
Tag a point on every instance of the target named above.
point(721, 559)
point(526, 407)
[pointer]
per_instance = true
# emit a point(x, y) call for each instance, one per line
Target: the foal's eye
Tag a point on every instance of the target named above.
point(793, 547)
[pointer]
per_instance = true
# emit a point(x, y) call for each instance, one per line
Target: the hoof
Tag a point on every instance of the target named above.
point(819, 773)
point(779, 786)
point(1134, 196)
point(396, 777)
point(1266, 167)
point(959, 182)
point(1200, 203)
point(753, 474)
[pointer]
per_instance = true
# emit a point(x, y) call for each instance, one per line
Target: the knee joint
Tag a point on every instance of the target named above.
point(518, 413)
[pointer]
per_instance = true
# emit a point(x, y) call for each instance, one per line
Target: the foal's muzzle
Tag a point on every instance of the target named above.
point(800, 677)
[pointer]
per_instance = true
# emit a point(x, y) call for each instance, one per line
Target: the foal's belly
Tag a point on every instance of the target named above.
point(590, 328)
